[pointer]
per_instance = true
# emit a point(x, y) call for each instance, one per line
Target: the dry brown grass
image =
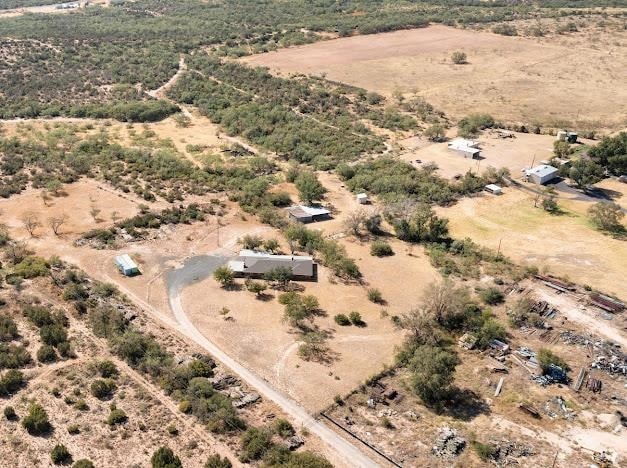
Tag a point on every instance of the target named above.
point(513, 78)
point(565, 245)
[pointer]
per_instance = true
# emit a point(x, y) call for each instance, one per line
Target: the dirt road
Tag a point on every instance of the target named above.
point(350, 454)
point(573, 310)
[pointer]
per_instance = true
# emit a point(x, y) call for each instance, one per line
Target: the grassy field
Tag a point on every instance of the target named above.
point(513, 78)
point(565, 245)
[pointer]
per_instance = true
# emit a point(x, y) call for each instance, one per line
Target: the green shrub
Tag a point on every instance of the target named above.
point(164, 457)
point(53, 334)
point(255, 443)
point(505, 30)
point(492, 296)
point(12, 381)
point(355, 318)
point(106, 369)
point(73, 429)
point(484, 451)
point(65, 350)
point(283, 428)
point(342, 319)
point(374, 295)
point(490, 329)
point(46, 353)
point(38, 315)
point(8, 328)
point(116, 417)
point(83, 463)
point(185, 406)
point(280, 199)
point(216, 461)
point(13, 357)
point(102, 388)
point(60, 455)
point(432, 374)
point(546, 357)
point(224, 275)
point(36, 421)
point(458, 57)
point(81, 405)
point(381, 249)
point(75, 292)
point(10, 414)
point(386, 423)
point(31, 267)
point(470, 125)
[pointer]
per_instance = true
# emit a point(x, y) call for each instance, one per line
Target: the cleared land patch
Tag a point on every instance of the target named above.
point(513, 78)
point(565, 245)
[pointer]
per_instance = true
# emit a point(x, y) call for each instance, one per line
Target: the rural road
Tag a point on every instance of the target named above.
point(201, 267)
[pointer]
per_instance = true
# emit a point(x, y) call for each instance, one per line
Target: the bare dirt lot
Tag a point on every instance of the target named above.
point(513, 78)
point(513, 153)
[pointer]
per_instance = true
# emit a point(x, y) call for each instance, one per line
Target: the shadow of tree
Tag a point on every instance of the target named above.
point(465, 405)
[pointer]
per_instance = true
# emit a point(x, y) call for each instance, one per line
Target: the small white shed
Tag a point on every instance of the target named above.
point(541, 174)
point(126, 265)
point(362, 198)
point(494, 189)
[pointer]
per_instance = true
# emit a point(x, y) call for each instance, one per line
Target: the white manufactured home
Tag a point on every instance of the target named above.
point(467, 148)
point(541, 174)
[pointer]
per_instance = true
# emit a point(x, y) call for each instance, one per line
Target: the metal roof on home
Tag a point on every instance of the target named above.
point(466, 146)
point(259, 263)
point(302, 211)
point(542, 170)
point(463, 142)
point(125, 262)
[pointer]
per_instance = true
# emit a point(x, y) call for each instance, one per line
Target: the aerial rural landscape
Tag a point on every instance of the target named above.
point(313, 234)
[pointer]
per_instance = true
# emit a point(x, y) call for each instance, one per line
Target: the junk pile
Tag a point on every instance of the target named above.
point(614, 364)
point(544, 309)
point(294, 442)
point(603, 459)
point(232, 387)
point(530, 410)
point(507, 452)
point(448, 444)
point(609, 357)
point(467, 341)
point(246, 399)
point(529, 356)
point(556, 408)
point(607, 303)
point(594, 385)
point(553, 374)
point(556, 284)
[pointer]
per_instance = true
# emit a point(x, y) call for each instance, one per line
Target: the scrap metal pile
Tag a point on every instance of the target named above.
point(448, 444)
point(507, 452)
point(608, 356)
point(556, 408)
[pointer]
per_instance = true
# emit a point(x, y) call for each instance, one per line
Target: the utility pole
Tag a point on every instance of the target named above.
point(498, 252)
